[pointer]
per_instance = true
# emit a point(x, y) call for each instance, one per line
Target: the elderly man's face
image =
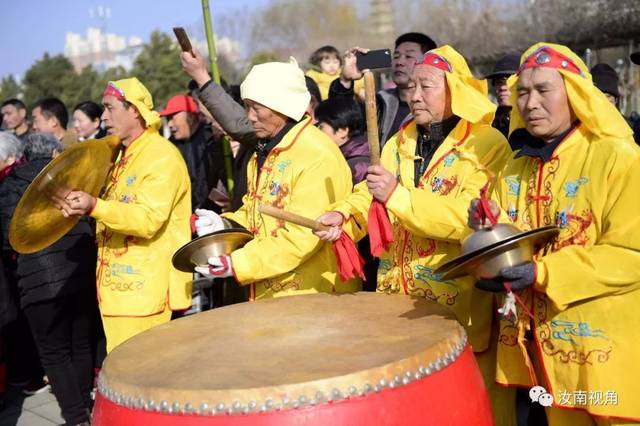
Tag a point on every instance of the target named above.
point(543, 102)
point(182, 125)
point(120, 120)
point(266, 122)
point(430, 100)
point(404, 59)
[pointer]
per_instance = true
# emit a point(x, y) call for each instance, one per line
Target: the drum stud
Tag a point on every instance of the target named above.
point(285, 401)
point(303, 399)
point(417, 375)
point(263, 409)
point(439, 365)
point(164, 406)
point(397, 379)
point(376, 388)
point(432, 366)
point(252, 405)
point(119, 400)
point(336, 394)
point(130, 402)
point(268, 403)
point(409, 375)
point(295, 405)
point(406, 380)
point(422, 370)
point(219, 408)
point(367, 388)
point(236, 406)
point(383, 383)
point(319, 396)
point(353, 390)
point(188, 408)
point(150, 406)
point(204, 409)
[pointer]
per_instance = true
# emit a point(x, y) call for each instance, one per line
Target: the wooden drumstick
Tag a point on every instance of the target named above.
point(372, 118)
point(292, 217)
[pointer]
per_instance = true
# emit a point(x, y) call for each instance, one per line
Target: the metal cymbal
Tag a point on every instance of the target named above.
point(37, 222)
point(198, 251)
point(468, 263)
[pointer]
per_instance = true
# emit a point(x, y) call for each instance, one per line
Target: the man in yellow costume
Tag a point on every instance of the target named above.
point(578, 169)
point(430, 171)
point(297, 168)
point(142, 218)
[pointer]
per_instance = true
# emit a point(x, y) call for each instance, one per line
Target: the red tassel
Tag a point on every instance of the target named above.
point(380, 230)
point(192, 222)
point(348, 258)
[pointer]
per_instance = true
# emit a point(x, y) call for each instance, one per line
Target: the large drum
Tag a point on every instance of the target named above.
point(349, 359)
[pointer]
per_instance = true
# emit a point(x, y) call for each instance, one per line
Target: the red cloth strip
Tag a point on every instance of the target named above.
point(349, 261)
point(380, 230)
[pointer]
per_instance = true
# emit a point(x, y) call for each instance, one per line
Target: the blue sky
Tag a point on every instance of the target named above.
point(30, 28)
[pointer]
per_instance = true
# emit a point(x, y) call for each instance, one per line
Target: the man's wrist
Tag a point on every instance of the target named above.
point(201, 79)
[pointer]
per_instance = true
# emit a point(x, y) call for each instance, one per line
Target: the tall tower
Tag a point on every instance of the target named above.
point(382, 20)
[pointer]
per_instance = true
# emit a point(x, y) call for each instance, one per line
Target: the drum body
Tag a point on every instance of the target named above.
point(351, 359)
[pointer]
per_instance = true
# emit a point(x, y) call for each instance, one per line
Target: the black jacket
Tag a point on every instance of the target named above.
point(205, 162)
point(66, 266)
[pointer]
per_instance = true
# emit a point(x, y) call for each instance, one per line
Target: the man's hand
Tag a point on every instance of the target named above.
point(207, 222)
point(219, 267)
point(76, 203)
point(350, 71)
point(380, 182)
point(520, 278)
point(195, 67)
point(334, 220)
point(476, 222)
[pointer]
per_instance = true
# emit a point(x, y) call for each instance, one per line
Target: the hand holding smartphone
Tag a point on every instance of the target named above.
point(373, 59)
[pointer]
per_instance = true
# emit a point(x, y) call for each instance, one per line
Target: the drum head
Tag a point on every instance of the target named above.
point(310, 349)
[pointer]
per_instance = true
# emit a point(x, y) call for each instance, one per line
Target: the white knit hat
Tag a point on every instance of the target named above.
point(279, 86)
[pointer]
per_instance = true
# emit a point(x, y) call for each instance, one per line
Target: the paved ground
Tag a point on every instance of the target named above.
point(35, 410)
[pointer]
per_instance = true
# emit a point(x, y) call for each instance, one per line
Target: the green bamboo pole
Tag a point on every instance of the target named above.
point(213, 57)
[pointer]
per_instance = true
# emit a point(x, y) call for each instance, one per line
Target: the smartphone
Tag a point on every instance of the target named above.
point(183, 39)
point(374, 59)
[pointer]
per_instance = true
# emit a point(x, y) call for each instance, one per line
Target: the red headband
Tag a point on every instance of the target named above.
point(549, 58)
point(436, 61)
point(113, 90)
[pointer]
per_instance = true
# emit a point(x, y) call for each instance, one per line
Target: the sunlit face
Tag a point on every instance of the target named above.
point(12, 117)
point(83, 125)
point(330, 65)
point(119, 120)
point(182, 125)
point(404, 59)
point(543, 102)
point(503, 94)
point(339, 136)
point(430, 100)
point(266, 122)
point(41, 123)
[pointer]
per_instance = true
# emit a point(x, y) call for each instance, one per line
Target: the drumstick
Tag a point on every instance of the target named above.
point(372, 118)
point(292, 217)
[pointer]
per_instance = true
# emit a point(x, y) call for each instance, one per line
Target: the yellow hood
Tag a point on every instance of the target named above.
point(590, 105)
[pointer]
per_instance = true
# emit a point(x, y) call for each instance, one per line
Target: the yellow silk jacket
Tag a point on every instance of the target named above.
point(142, 219)
point(303, 174)
point(587, 294)
point(429, 220)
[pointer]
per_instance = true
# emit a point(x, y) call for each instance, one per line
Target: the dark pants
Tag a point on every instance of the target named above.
point(63, 331)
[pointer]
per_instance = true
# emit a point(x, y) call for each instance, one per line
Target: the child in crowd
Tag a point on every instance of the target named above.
point(327, 64)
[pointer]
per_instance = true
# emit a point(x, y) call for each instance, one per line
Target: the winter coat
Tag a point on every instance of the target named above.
point(65, 267)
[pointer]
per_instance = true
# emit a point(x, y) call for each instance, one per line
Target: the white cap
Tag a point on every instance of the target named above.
point(279, 86)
